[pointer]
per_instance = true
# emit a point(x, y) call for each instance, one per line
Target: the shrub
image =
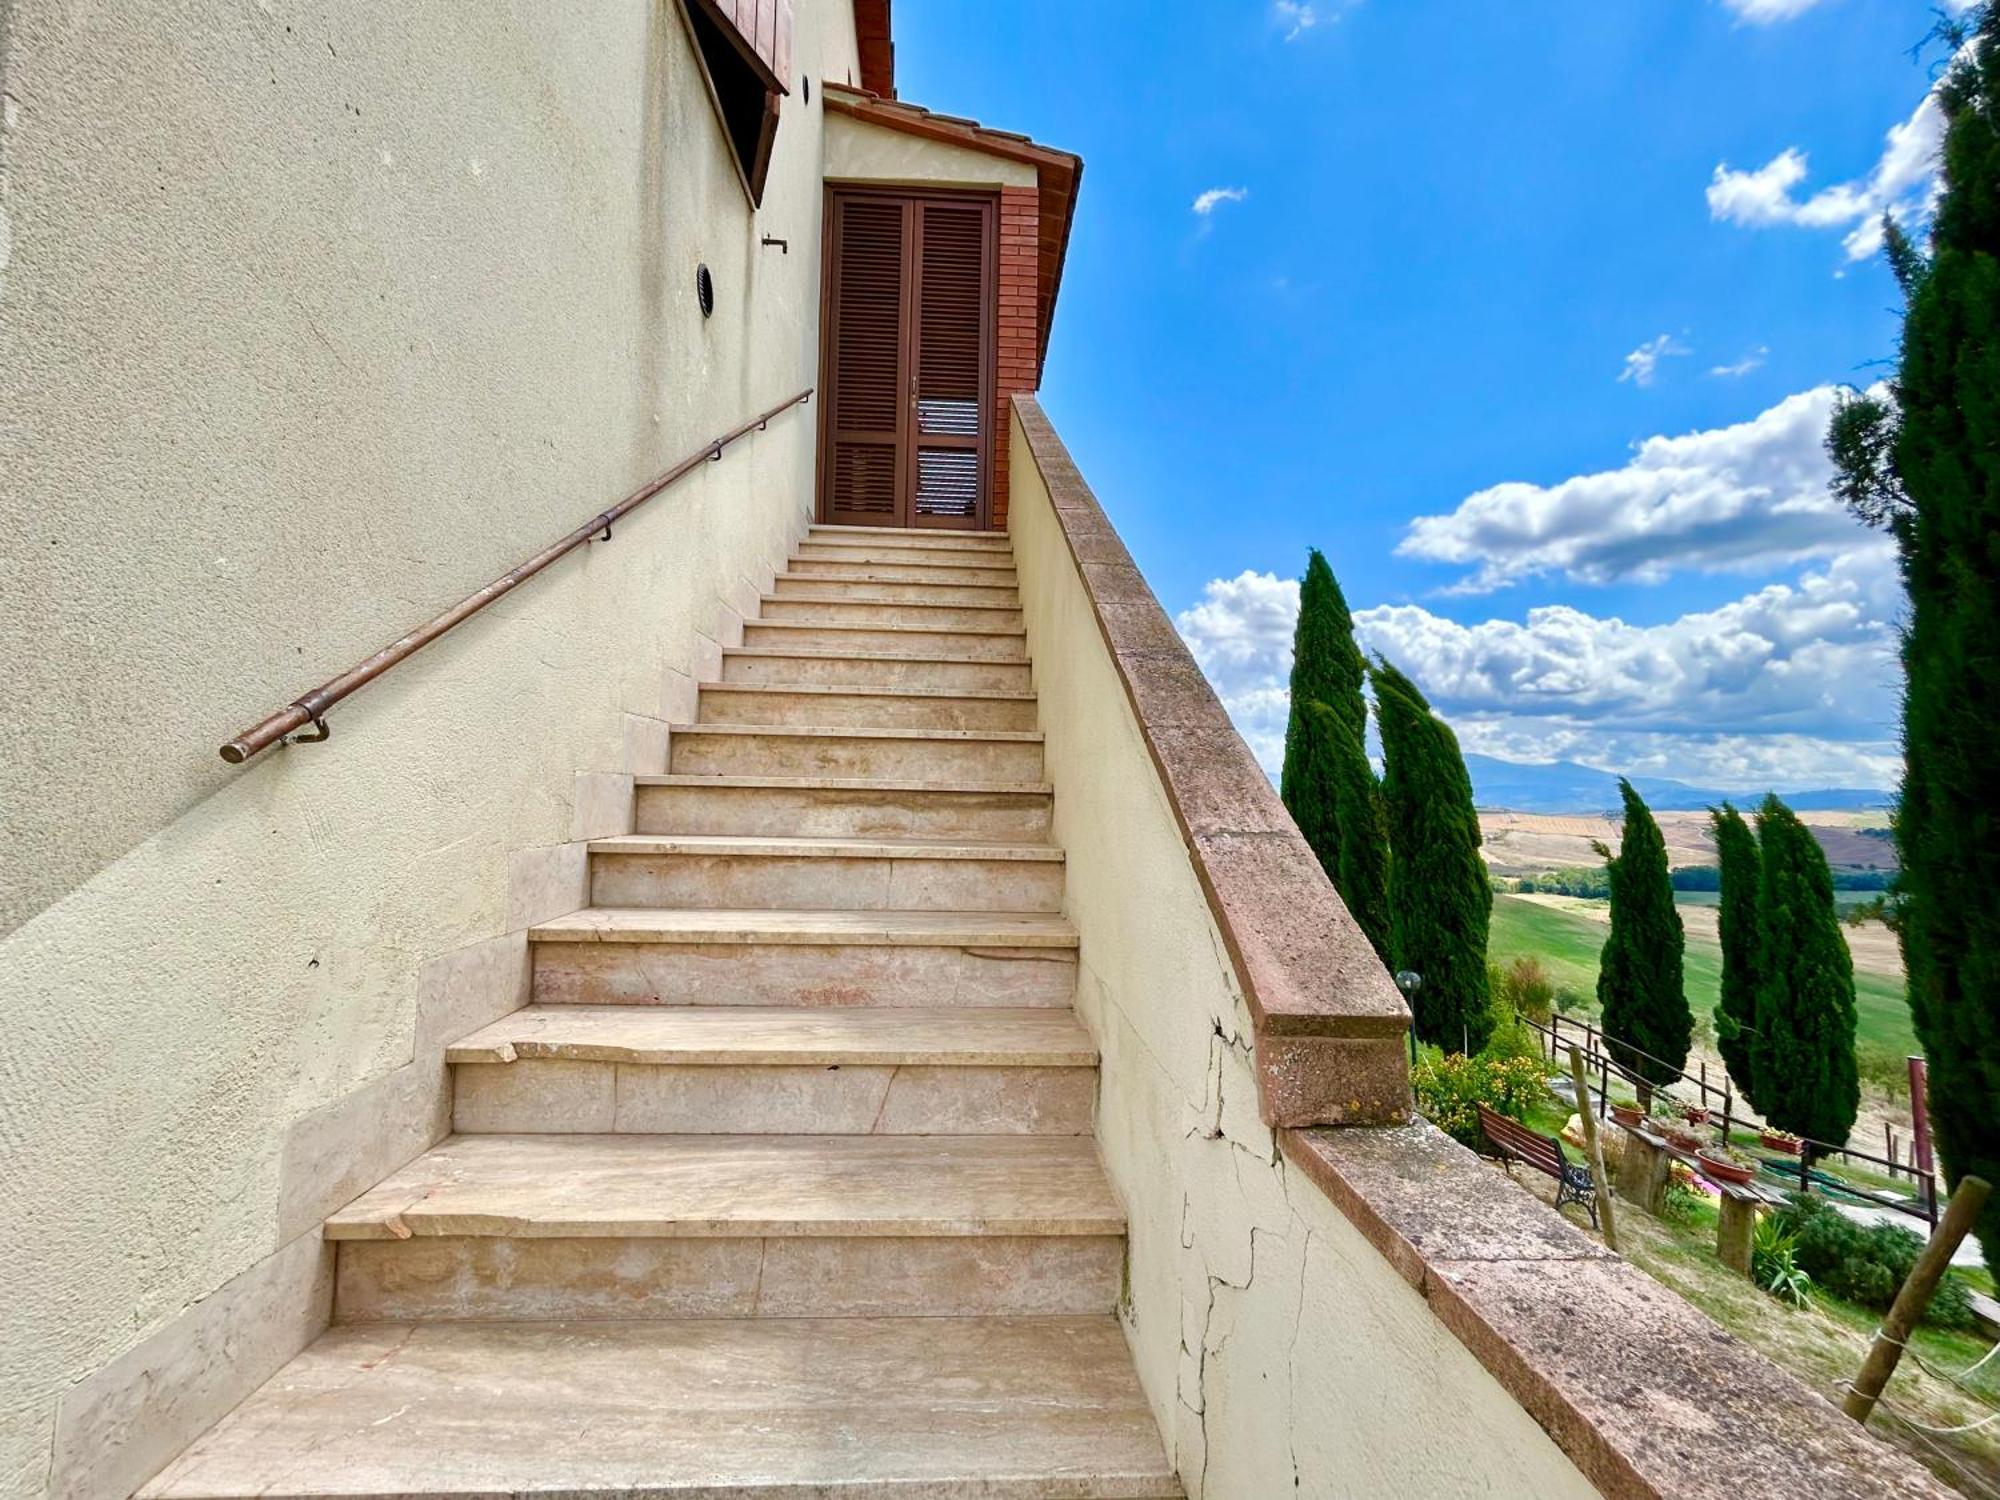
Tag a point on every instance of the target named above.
point(1884, 1067)
point(1450, 1087)
point(1865, 1263)
point(1525, 986)
point(1774, 1263)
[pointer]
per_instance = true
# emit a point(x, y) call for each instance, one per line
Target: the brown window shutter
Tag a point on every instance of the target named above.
point(866, 362)
point(953, 298)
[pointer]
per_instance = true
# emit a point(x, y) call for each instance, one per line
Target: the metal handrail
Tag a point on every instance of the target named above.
point(311, 708)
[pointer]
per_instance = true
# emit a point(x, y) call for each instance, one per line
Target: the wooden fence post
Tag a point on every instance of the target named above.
point(1599, 1181)
point(1915, 1296)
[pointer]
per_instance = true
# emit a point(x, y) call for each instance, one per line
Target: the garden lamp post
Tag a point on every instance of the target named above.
point(1409, 981)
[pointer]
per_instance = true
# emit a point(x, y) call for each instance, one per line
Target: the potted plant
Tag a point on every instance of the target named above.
point(1682, 1135)
point(1629, 1115)
point(1695, 1114)
point(1727, 1164)
point(1779, 1140)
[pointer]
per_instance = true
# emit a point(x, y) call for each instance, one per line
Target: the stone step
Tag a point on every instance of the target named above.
point(841, 808)
point(826, 608)
point(869, 554)
point(620, 1070)
point(766, 667)
point(891, 590)
point(969, 643)
point(824, 874)
point(897, 570)
point(890, 754)
point(736, 1409)
point(865, 707)
point(628, 956)
point(912, 536)
point(737, 1186)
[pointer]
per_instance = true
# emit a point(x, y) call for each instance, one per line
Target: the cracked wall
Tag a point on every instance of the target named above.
point(319, 316)
point(1282, 1355)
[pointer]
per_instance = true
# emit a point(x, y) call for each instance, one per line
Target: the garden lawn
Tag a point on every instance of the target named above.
point(1568, 943)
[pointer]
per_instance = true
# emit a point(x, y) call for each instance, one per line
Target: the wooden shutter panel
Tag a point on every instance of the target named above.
point(953, 301)
point(866, 403)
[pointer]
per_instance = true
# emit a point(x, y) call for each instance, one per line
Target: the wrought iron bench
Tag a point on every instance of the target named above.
point(1515, 1142)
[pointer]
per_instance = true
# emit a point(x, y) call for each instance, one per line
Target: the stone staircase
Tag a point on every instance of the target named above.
point(784, 1184)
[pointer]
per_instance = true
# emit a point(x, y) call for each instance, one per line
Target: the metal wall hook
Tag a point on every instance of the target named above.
point(784, 246)
point(325, 733)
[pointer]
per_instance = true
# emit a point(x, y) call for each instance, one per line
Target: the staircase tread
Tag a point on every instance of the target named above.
point(694, 1409)
point(638, 924)
point(933, 533)
point(732, 1186)
point(783, 1036)
point(890, 626)
point(807, 653)
point(855, 732)
point(869, 555)
point(826, 847)
point(870, 690)
point(850, 784)
point(862, 575)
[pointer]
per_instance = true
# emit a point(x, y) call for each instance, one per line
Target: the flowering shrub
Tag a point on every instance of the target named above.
point(1451, 1087)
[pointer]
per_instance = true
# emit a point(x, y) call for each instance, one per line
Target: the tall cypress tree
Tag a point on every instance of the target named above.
point(1803, 1051)
point(1440, 899)
point(1736, 1012)
point(1327, 668)
point(1647, 1024)
point(1363, 874)
point(1923, 464)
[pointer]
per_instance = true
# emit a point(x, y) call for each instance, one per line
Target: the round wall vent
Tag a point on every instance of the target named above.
point(704, 290)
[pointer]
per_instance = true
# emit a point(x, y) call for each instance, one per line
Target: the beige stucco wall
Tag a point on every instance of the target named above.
point(1275, 1344)
point(857, 151)
point(314, 318)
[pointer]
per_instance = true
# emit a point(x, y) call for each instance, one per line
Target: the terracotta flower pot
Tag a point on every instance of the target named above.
point(1628, 1114)
point(1784, 1143)
point(1725, 1171)
point(1695, 1115)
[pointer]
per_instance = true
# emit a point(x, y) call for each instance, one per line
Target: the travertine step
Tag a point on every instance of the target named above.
point(764, 666)
point(730, 1186)
point(827, 608)
point(891, 590)
point(907, 569)
point(841, 808)
point(907, 536)
point(891, 754)
point(775, 1071)
point(751, 1409)
point(983, 642)
point(865, 707)
point(824, 874)
point(627, 956)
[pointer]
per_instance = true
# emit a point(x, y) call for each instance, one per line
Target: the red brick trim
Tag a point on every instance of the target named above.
point(1017, 325)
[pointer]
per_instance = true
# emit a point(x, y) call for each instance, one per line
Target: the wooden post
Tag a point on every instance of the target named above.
point(1735, 1231)
point(1959, 1217)
point(1594, 1146)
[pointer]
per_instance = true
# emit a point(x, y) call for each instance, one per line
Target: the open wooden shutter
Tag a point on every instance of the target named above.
point(865, 363)
point(953, 304)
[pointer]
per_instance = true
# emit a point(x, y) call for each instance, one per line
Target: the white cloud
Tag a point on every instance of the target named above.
point(1297, 18)
point(1754, 360)
point(1765, 12)
point(1643, 363)
point(1903, 182)
point(1755, 494)
point(1792, 684)
point(1206, 201)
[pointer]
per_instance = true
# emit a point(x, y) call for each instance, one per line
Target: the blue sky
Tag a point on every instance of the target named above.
point(1527, 313)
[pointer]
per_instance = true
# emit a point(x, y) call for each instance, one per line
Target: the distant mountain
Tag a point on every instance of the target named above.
point(1563, 786)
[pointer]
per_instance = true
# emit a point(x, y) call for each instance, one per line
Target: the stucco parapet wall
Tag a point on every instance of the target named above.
point(1646, 1395)
point(1330, 1024)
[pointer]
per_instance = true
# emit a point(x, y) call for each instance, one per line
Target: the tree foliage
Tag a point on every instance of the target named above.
point(1327, 668)
point(1647, 1024)
point(1926, 463)
point(1802, 1055)
point(1440, 900)
point(1361, 874)
point(1736, 919)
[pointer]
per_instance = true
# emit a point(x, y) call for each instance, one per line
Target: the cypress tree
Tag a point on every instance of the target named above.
point(1736, 1013)
point(1326, 668)
point(1647, 1024)
point(1363, 874)
point(1440, 900)
point(1922, 464)
point(1803, 1052)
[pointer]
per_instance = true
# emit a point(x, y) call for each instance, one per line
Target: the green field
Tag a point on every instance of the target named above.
point(1567, 943)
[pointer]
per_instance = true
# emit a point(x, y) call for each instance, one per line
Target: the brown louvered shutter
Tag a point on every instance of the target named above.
point(952, 315)
point(865, 363)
